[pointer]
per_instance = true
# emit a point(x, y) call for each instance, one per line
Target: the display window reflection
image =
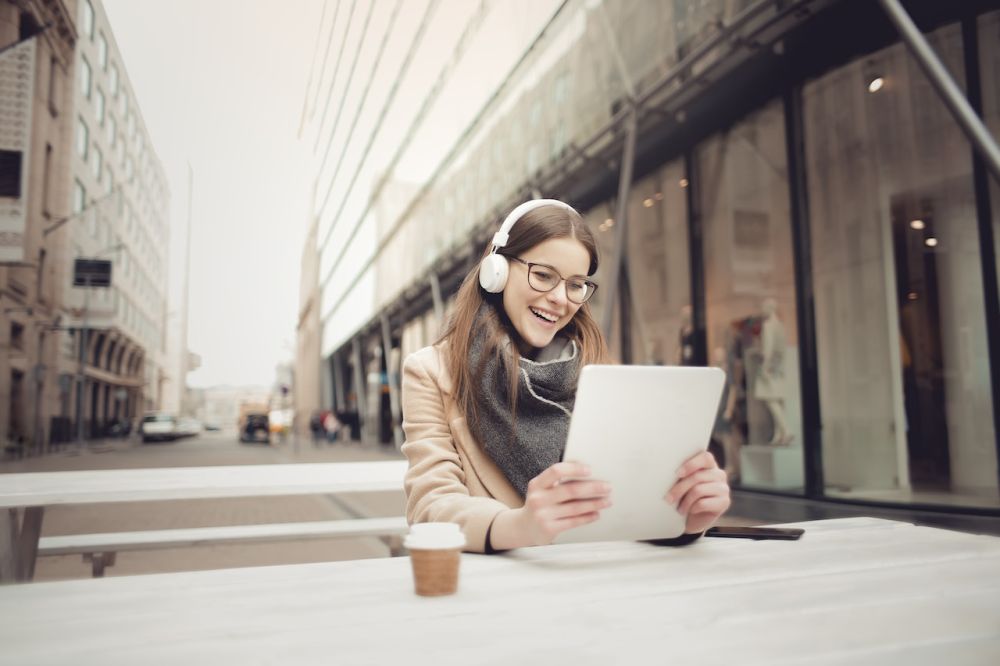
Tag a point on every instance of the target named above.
point(904, 380)
point(750, 311)
point(659, 268)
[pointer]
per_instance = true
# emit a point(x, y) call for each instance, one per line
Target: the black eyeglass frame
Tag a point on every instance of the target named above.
point(590, 283)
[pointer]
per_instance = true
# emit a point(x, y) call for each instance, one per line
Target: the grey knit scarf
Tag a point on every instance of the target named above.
point(524, 447)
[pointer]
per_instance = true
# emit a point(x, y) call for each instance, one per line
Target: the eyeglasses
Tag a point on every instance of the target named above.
point(544, 278)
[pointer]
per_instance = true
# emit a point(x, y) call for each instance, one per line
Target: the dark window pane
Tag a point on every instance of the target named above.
point(10, 173)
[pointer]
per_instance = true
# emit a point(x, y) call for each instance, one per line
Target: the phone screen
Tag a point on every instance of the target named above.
point(736, 532)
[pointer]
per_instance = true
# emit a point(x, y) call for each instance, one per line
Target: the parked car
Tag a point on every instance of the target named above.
point(158, 427)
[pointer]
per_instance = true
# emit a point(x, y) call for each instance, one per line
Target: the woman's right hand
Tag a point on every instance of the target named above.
point(561, 498)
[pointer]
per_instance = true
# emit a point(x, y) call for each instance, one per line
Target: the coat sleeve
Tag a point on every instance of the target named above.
point(435, 485)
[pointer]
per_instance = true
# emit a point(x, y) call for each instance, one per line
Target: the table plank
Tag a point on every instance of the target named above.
point(843, 594)
point(129, 485)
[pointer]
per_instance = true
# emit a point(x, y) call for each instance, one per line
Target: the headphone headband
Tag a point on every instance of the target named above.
point(501, 237)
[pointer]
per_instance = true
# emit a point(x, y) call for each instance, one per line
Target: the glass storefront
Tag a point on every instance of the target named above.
point(750, 310)
point(893, 328)
point(658, 266)
point(901, 336)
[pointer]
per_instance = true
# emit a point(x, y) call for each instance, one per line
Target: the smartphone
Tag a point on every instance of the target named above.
point(757, 533)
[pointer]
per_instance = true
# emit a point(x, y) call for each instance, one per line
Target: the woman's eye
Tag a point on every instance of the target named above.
point(577, 287)
point(543, 275)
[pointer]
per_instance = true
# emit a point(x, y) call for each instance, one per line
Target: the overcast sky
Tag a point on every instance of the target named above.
point(220, 84)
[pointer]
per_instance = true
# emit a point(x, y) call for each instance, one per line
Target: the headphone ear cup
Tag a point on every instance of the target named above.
point(493, 273)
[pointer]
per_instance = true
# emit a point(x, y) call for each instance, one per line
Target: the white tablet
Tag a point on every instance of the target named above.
point(635, 426)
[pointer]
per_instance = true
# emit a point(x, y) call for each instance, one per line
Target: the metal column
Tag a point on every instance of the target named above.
point(360, 388)
point(798, 192)
point(945, 85)
point(339, 397)
point(392, 377)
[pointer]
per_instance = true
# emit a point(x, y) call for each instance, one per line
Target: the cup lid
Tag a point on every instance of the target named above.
point(431, 536)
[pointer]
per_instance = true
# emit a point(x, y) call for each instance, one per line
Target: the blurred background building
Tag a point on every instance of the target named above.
point(81, 180)
point(790, 196)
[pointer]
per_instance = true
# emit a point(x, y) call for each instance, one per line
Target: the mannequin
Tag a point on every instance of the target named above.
point(723, 430)
point(685, 354)
point(769, 385)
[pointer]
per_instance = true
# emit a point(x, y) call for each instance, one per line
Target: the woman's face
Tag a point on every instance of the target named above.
point(538, 316)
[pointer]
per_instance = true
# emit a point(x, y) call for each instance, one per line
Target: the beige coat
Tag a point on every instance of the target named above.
point(450, 477)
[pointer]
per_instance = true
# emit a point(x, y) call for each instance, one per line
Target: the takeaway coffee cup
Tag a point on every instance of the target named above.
point(435, 552)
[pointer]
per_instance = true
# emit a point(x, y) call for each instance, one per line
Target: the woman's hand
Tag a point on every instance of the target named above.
point(701, 492)
point(558, 499)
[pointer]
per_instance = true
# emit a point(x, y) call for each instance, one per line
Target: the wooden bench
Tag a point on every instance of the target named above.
point(101, 549)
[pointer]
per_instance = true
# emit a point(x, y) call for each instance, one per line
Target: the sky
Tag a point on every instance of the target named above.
point(220, 85)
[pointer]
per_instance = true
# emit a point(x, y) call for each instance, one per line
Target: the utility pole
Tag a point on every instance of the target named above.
point(182, 380)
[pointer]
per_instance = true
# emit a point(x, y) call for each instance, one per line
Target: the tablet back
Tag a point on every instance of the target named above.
point(635, 426)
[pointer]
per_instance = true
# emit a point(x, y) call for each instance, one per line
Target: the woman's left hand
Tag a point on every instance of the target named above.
point(701, 492)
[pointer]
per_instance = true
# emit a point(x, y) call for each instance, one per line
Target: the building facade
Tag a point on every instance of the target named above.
point(36, 65)
point(119, 195)
point(103, 196)
point(791, 197)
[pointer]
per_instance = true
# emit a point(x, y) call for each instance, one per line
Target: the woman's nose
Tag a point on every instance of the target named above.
point(558, 295)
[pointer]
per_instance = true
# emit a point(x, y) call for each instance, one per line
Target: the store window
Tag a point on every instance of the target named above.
point(750, 310)
point(904, 377)
point(601, 223)
point(659, 267)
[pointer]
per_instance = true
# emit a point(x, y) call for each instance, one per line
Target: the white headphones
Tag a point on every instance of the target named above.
point(494, 267)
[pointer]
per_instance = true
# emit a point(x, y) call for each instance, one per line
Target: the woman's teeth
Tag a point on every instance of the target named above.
point(543, 316)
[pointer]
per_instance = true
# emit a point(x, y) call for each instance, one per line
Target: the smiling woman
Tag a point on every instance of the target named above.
point(486, 409)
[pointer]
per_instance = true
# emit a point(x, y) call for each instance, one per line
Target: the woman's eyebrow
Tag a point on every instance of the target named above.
point(551, 267)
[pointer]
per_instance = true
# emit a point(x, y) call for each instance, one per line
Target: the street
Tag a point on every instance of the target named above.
point(214, 448)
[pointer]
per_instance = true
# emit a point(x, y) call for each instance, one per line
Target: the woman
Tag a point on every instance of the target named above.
point(486, 408)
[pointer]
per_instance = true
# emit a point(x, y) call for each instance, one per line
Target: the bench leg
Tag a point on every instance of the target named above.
point(19, 543)
point(98, 561)
point(395, 544)
point(31, 529)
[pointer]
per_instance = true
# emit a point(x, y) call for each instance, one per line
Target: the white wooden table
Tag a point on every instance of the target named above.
point(29, 493)
point(853, 591)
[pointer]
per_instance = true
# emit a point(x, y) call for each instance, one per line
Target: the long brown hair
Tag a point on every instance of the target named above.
point(535, 227)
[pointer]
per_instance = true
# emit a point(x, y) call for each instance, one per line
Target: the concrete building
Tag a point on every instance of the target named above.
point(119, 193)
point(36, 111)
point(105, 198)
point(757, 164)
point(309, 387)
